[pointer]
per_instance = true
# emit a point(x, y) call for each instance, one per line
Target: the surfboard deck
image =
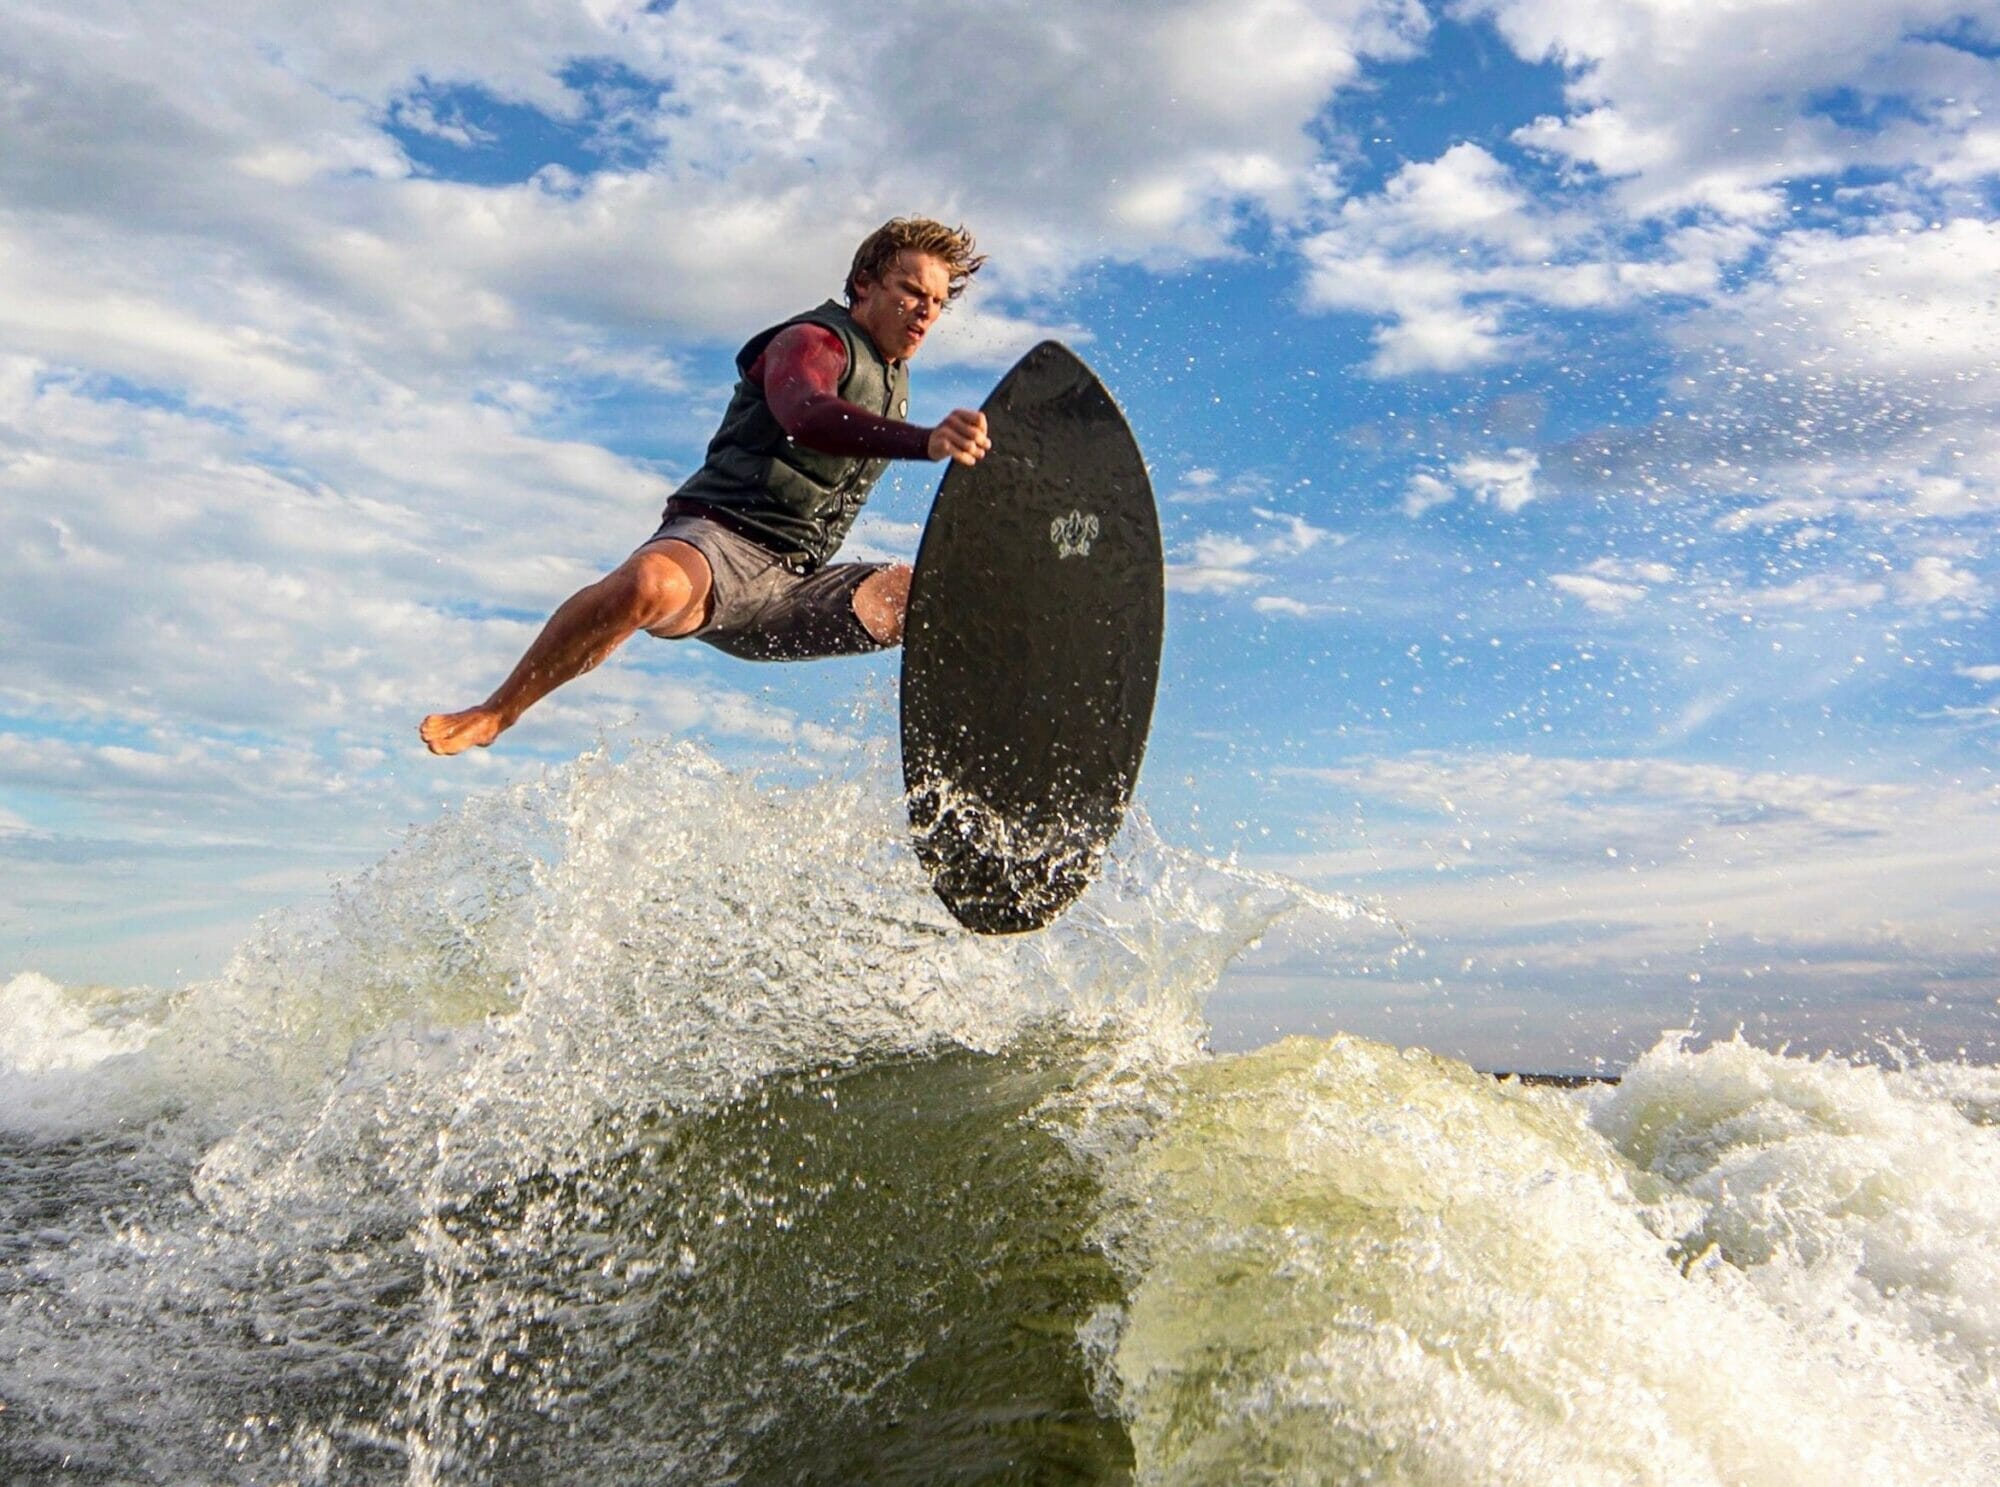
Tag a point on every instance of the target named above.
point(1031, 650)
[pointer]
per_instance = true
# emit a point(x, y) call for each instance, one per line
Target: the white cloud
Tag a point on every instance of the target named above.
point(1612, 585)
point(1760, 76)
point(1216, 564)
point(1506, 481)
point(1602, 863)
point(1933, 581)
point(1849, 379)
point(1906, 300)
point(1277, 604)
point(1442, 337)
point(1463, 195)
point(1203, 486)
point(1221, 562)
point(1197, 485)
point(1425, 491)
point(1296, 534)
point(230, 191)
point(1601, 594)
point(1452, 250)
point(1980, 673)
point(1833, 363)
point(1819, 591)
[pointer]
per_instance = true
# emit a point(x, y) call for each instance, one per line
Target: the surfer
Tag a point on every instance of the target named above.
point(740, 559)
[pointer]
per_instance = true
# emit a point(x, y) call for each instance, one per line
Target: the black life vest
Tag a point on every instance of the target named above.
point(796, 501)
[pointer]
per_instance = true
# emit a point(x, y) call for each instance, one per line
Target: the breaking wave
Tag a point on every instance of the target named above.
point(652, 1123)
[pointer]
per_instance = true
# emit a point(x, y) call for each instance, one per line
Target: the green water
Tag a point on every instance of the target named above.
point(875, 1274)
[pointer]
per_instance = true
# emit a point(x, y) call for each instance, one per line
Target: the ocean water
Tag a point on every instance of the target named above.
point(652, 1124)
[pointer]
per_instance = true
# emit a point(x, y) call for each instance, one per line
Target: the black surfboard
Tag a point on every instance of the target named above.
point(1032, 650)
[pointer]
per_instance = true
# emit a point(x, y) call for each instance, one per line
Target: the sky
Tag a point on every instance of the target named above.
point(1573, 422)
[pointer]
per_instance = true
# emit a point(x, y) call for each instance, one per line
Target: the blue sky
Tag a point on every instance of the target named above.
point(1573, 422)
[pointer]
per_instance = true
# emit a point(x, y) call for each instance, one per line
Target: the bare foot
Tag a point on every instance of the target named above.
point(454, 733)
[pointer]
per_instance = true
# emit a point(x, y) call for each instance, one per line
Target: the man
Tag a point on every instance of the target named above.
point(740, 558)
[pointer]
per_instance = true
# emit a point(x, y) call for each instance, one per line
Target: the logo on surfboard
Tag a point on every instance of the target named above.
point(1073, 534)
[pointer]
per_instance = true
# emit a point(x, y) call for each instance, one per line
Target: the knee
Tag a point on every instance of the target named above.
point(659, 590)
point(881, 601)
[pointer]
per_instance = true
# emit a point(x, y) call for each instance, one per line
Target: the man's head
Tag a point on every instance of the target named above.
point(904, 274)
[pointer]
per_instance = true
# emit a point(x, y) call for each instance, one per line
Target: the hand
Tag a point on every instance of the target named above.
point(962, 437)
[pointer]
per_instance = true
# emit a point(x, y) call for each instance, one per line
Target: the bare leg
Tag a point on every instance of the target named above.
point(663, 587)
point(881, 601)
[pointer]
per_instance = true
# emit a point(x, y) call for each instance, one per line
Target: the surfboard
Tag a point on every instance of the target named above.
point(1031, 650)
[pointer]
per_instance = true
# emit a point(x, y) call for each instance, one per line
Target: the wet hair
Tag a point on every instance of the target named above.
point(951, 245)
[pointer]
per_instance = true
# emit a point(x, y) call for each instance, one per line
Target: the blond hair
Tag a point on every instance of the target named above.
point(951, 245)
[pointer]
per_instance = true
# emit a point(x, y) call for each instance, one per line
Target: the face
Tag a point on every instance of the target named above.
point(899, 308)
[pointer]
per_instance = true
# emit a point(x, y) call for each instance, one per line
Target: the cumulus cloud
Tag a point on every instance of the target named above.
point(1934, 580)
point(1221, 563)
point(1293, 534)
point(1819, 591)
point(241, 188)
point(309, 368)
point(1505, 481)
point(1612, 585)
point(1909, 300)
point(1296, 609)
point(1849, 383)
point(1931, 582)
point(1606, 596)
point(305, 361)
point(1425, 491)
point(1204, 486)
point(1453, 251)
point(1404, 252)
point(1216, 563)
point(1834, 339)
point(1763, 81)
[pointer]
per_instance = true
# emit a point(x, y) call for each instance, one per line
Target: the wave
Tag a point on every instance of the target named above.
point(1353, 1263)
point(652, 1123)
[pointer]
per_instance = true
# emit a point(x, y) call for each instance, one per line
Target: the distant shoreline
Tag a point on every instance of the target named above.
point(1559, 1081)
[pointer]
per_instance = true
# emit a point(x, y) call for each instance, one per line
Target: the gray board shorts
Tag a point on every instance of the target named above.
point(761, 610)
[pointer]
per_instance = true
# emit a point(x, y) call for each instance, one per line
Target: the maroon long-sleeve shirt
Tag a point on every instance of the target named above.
point(800, 373)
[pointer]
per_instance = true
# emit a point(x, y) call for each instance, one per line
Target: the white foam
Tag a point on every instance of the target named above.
point(1349, 1260)
point(628, 933)
point(504, 1000)
point(1862, 1204)
point(45, 1028)
point(1737, 1268)
point(62, 1049)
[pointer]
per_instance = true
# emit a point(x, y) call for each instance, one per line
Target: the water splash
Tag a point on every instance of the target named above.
point(375, 1151)
point(652, 1122)
point(1352, 1263)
